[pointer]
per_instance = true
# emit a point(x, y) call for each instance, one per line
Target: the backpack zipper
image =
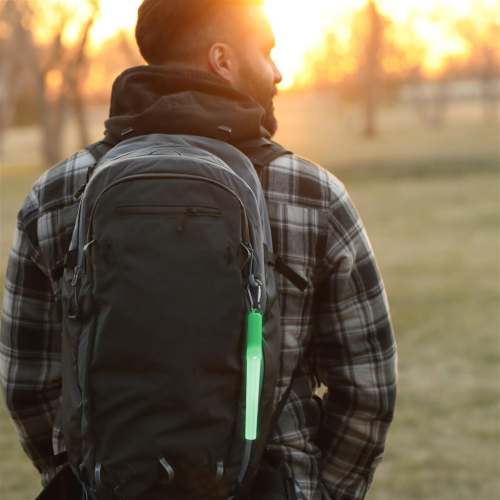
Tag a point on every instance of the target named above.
point(167, 211)
point(128, 156)
point(195, 212)
point(245, 225)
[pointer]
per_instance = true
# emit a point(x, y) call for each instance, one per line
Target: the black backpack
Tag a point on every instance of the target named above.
point(171, 322)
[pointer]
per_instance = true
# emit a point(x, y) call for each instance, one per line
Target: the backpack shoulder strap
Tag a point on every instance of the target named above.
point(261, 152)
point(100, 148)
point(97, 150)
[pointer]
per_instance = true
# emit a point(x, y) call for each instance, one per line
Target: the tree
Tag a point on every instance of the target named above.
point(56, 67)
point(74, 75)
point(371, 67)
point(356, 73)
point(483, 62)
point(14, 71)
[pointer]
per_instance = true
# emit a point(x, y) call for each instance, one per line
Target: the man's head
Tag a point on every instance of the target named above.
point(229, 38)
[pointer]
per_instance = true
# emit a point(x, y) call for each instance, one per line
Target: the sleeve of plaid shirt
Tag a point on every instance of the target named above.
point(355, 356)
point(30, 342)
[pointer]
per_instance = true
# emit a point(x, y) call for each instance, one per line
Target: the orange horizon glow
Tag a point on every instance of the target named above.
point(300, 28)
point(431, 22)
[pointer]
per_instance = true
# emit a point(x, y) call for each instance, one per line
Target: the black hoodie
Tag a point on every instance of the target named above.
point(157, 99)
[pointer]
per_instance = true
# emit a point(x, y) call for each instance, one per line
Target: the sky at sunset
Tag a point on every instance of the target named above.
point(300, 26)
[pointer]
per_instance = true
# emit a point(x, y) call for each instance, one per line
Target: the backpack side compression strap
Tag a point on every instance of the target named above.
point(286, 271)
point(59, 459)
point(261, 152)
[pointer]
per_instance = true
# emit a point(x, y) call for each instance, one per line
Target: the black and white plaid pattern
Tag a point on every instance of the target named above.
point(338, 331)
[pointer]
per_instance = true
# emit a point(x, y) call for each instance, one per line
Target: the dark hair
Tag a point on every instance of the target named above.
point(175, 30)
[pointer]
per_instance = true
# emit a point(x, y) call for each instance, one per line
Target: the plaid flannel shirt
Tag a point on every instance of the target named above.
point(337, 332)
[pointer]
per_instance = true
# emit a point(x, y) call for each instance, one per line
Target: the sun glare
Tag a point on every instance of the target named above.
point(301, 27)
point(116, 15)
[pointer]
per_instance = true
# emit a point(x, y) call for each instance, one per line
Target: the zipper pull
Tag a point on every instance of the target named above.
point(189, 212)
point(90, 171)
point(76, 275)
point(86, 252)
point(73, 298)
point(80, 191)
point(247, 268)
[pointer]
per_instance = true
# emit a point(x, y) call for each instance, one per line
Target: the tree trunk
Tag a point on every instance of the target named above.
point(490, 97)
point(53, 111)
point(75, 75)
point(52, 125)
point(441, 101)
point(371, 80)
point(81, 119)
point(370, 110)
point(14, 70)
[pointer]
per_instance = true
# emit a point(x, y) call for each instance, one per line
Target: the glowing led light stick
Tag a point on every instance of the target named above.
point(254, 370)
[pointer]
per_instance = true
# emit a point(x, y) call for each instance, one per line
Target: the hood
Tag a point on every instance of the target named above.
point(156, 99)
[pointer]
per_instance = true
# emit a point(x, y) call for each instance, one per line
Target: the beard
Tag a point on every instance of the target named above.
point(264, 95)
point(270, 121)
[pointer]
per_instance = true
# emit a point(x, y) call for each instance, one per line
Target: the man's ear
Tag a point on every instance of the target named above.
point(223, 62)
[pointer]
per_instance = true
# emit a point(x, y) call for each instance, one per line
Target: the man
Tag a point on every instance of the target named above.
point(210, 65)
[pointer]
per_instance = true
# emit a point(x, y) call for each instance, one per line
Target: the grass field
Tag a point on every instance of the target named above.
point(437, 243)
point(435, 230)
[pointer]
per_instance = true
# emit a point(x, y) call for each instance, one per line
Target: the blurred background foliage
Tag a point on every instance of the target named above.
point(59, 58)
point(400, 100)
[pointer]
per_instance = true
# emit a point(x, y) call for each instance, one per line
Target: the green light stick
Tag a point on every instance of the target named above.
point(254, 368)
